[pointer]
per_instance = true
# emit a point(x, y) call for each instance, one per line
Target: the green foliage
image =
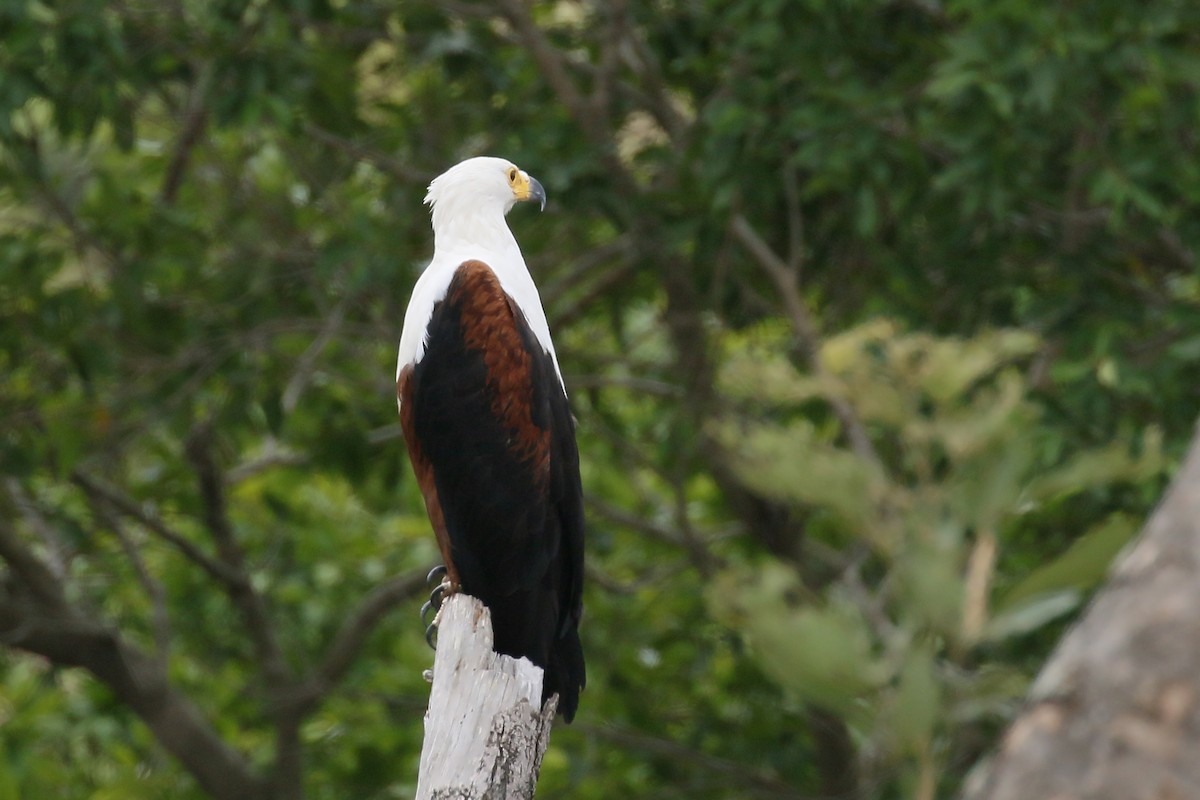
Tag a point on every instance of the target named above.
point(889, 639)
point(1079, 568)
point(820, 654)
point(210, 214)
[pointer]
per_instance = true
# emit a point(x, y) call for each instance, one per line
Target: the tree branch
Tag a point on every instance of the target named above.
point(307, 363)
point(195, 120)
point(272, 455)
point(567, 312)
point(610, 55)
point(663, 106)
point(241, 592)
point(35, 577)
point(791, 194)
point(35, 617)
point(99, 492)
point(805, 330)
point(555, 71)
point(340, 655)
point(697, 548)
point(135, 680)
point(584, 268)
point(280, 683)
point(357, 150)
point(629, 382)
point(748, 778)
point(28, 151)
point(57, 552)
point(161, 619)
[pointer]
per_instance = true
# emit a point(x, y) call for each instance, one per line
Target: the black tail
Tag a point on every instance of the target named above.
point(528, 624)
point(565, 673)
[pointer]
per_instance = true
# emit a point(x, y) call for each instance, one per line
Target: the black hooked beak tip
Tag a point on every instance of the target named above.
point(537, 192)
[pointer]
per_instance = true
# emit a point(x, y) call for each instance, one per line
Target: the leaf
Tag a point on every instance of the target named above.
point(1081, 567)
point(792, 463)
point(989, 692)
point(952, 366)
point(822, 654)
point(975, 429)
point(1103, 465)
point(989, 488)
point(1032, 614)
point(917, 703)
point(931, 585)
point(767, 378)
point(842, 352)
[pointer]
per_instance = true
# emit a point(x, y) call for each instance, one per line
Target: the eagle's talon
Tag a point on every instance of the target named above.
point(434, 603)
point(425, 609)
point(431, 634)
point(436, 575)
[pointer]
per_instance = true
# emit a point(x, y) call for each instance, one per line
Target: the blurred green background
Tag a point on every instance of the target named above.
point(881, 320)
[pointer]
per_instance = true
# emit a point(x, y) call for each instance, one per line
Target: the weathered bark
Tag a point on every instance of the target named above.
point(484, 734)
point(1115, 713)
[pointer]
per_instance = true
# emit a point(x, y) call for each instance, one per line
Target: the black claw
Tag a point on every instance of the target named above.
point(425, 609)
point(436, 579)
point(436, 575)
point(434, 603)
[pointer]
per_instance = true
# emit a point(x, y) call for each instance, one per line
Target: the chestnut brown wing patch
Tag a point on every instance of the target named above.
point(490, 327)
point(423, 471)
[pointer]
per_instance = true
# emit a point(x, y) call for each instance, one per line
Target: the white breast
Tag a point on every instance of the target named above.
point(435, 281)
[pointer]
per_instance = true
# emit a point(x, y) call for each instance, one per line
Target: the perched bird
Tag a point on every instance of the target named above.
point(488, 428)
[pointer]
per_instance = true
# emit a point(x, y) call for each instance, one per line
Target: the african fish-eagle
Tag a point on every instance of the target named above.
point(485, 416)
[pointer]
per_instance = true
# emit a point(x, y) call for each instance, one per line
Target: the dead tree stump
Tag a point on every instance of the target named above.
point(484, 732)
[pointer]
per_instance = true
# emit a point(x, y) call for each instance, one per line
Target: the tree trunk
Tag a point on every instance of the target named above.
point(1115, 714)
point(484, 734)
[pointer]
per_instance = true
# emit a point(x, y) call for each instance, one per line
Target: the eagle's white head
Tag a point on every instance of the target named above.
point(486, 181)
point(470, 199)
